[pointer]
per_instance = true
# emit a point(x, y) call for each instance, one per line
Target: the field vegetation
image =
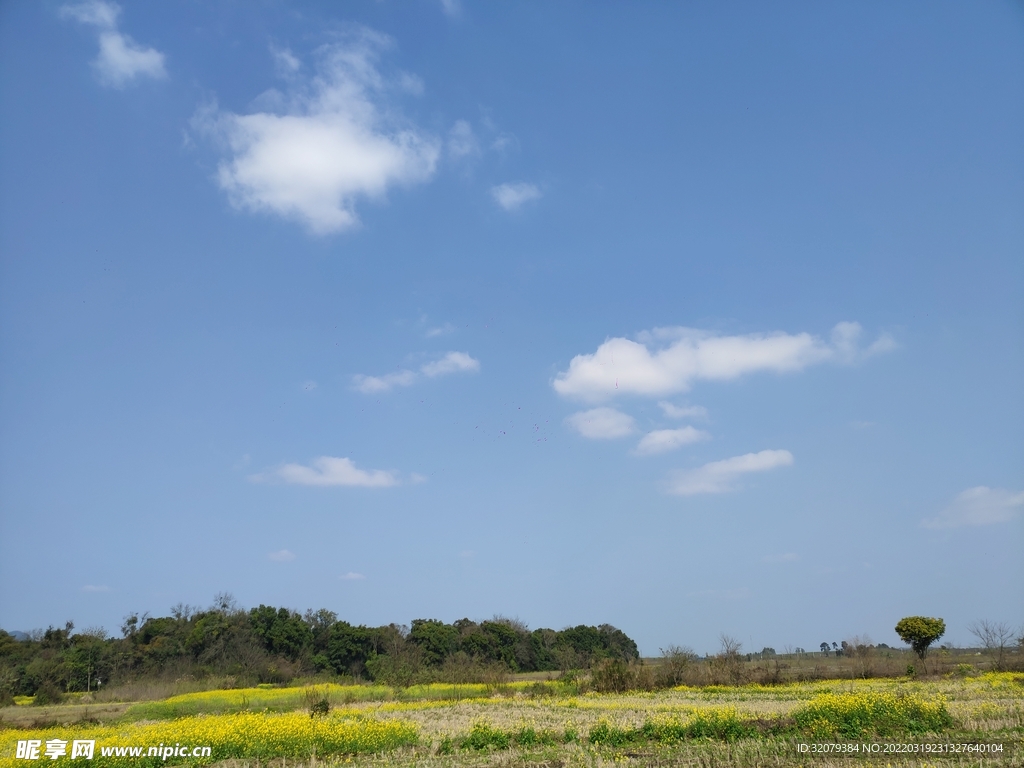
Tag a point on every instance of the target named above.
point(493, 693)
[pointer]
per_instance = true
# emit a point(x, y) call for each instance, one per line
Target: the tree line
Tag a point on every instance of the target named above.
point(270, 644)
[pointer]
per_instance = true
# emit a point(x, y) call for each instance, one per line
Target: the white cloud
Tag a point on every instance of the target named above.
point(287, 62)
point(462, 142)
point(846, 343)
point(440, 330)
point(979, 506)
point(512, 196)
point(668, 360)
point(662, 440)
point(371, 384)
point(330, 471)
point(334, 138)
point(451, 7)
point(452, 362)
point(683, 412)
point(352, 576)
point(601, 423)
point(95, 588)
point(720, 476)
point(120, 59)
point(281, 556)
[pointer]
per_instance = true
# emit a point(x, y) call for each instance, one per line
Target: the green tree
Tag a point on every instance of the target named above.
point(919, 632)
point(436, 639)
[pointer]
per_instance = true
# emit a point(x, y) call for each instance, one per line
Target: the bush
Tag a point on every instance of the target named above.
point(617, 676)
point(483, 736)
point(717, 724)
point(864, 714)
point(604, 732)
point(316, 701)
point(48, 693)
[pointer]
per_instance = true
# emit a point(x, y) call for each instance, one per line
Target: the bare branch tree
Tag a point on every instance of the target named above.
point(730, 645)
point(994, 637)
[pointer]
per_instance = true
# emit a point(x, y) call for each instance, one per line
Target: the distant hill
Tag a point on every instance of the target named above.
point(18, 635)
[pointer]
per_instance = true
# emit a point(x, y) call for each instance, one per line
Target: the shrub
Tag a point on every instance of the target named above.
point(316, 701)
point(862, 714)
point(48, 693)
point(611, 676)
point(722, 724)
point(604, 732)
point(483, 736)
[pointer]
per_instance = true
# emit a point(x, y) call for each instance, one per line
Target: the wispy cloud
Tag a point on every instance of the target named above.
point(668, 360)
point(452, 362)
point(980, 505)
point(332, 139)
point(352, 576)
point(281, 556)
point(684, 411)
point(462, 141)
point(440, 330)
point(121, 60)
point(513, 196)
point(95, 588)
point(602, 423)
point(451, 7)
point(662, 440)
point(330, 471)
point(721, 476)
point(372, 384)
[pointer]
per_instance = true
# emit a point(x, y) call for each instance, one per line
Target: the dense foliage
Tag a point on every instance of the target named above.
point(919, 632)
point(268, 644)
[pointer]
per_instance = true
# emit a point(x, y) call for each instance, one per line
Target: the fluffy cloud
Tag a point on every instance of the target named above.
point(512, 196)
point(330, 471)
point(668, 360)
point(121, 60)
point(720, 476)
point(601, 423)
point(452, 362)
point(979, 506)
point(662, 440)
point(372, 384)
point(281, 556)
point(326, 143)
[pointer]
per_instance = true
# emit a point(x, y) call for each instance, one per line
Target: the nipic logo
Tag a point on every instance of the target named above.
point(28, 749)
point(34, 749)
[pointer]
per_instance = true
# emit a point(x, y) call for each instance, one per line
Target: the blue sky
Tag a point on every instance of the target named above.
point(689, 318)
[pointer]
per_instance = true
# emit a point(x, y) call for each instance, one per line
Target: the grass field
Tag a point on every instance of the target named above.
point(537, 723)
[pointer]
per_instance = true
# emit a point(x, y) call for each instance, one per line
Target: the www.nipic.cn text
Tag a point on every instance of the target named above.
point(85, 749)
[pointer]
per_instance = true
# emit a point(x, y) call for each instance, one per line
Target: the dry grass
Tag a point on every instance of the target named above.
point(986, 708)
point(62, 714)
